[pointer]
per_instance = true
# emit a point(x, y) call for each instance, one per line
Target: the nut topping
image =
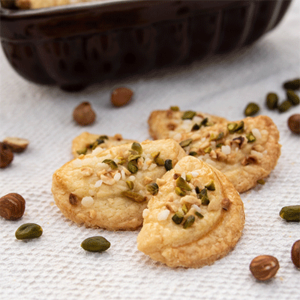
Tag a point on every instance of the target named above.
point(83, 114)
point(226, 203)
point(264, 267)
point(12, 206)
point(73, 199)
point(16, 144)
point(6, 155)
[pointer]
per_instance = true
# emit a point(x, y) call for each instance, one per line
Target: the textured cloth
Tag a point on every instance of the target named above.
point(56, 267)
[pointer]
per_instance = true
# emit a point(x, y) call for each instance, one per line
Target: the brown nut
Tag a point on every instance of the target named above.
point(6, 155)
point(12, 206)
point(16, 144)
point(121, 96)
point(264, 267)
point(294, 123)
point(83, 114)
point(295, 253)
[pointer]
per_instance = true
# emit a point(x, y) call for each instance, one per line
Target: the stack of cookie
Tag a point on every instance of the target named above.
point(183, 188)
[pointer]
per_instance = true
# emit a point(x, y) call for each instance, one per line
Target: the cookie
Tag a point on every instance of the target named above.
point(164, 124)
point(245, 151)
point(34, 4)
point(196, 218)
point(111, 189)
point(87, 142)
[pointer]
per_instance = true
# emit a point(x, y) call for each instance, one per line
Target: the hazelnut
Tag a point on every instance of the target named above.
point(16, 144)
point(6, 155)
point(295, 253)
point(12, 206)
point(264, 267)
point(121, 96)
point(294, 123)
point(83, 114)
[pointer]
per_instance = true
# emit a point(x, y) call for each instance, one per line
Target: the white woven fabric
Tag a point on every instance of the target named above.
point(56, 267)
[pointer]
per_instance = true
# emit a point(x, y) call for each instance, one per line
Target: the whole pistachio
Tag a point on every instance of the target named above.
point(29, 231)
point(293, 97)
point(95, 244)
point(251, 109)
point(284, 106)
point(272, 100)
point(137, 147)
point(292, 84)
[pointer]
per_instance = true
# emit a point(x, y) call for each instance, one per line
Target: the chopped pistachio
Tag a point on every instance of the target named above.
point(250, 137)
point(188, 115)
point(240, 127)
point(83, 151)
point(182, 184)
point(134, 157)
point(205, 201)
point(193, 153)
point(134, 196)
point(195, 127)
point(261, 181)
point(155, 154)
point(168, 164)
point(217, 138)
point(184, 209)
point(179, 191)
point(185, 143)
point(132, 167)
point(211, 186)
point(130, 184)
point(111, 163)
point(189, 177)
point(174, 108)
point(152, 188)
point(207, 150)
point(137, 147)
point(159, 161)
point(122, 160)
point(204, 122)
point(203, 197)
point(189, 222)
point(103, 137)
point(219, 145)
point(251, 109)
point(232, 127)
point(199, 215)
point(197, 190)
point(177, 218)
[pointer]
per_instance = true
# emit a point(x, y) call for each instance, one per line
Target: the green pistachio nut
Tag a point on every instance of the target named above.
point(152, 188)
point(251, 109)
point(292, 84)
point(137, 147)
point(189, 222)
point(211, 186)
point(250, 137)
point(111, 163)
point(292, 97)
point(177, 218)
point(185, 143)
point(284, 106)
point(134, 196)
point(95, 244)
point(132, 167)
point(130, 184)
point(182, 184)
point(29, 231)
point(200, 216)
point(168, 164)
point(272, 100)
point(180, 192)
point(174, 108)
point(188, 115)
point(290, 213)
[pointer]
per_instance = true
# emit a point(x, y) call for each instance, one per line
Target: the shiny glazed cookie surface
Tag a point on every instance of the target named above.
point(196, 217)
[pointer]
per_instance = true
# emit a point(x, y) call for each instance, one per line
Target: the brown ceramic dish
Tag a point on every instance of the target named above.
point(76, 45)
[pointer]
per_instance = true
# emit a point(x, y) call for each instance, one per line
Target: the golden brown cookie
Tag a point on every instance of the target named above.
point(112, 188)
point(196, 218)
point(245, 151)
point(164, 124)
point(87, 142)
